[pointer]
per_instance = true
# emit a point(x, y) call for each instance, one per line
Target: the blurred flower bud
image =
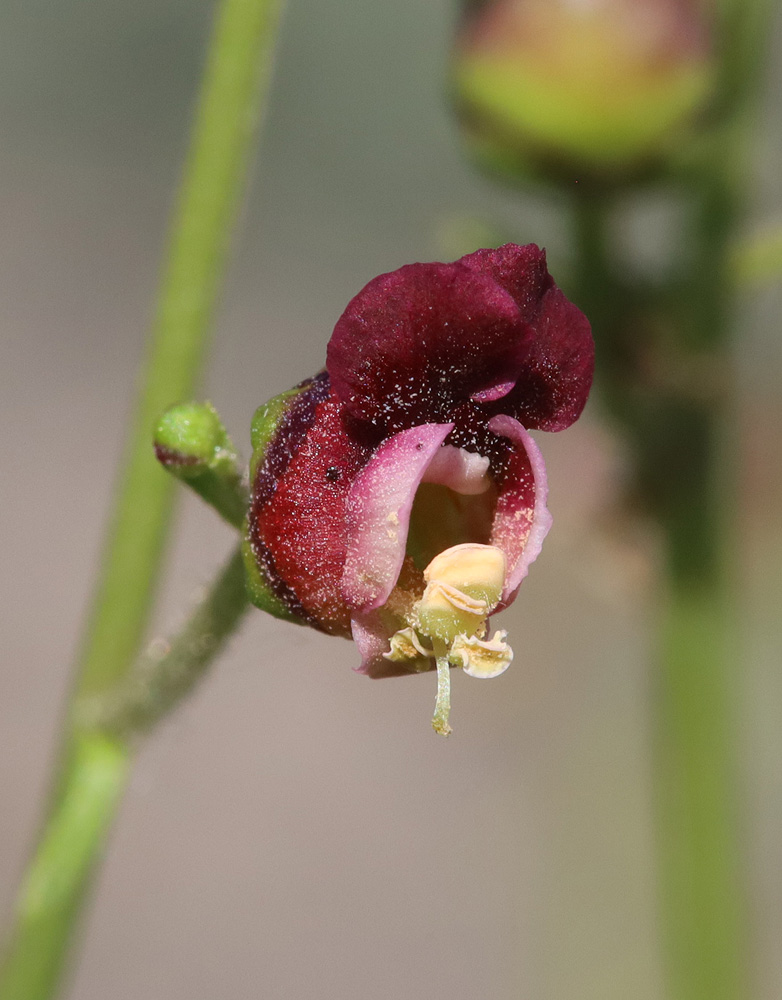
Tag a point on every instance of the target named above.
point(604, 88)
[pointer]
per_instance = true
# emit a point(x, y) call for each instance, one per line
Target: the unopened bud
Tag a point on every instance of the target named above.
point(596, 87)
point(190, 438)
point(192, 444)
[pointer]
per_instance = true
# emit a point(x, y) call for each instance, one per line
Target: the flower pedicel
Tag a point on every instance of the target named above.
point(397, 496)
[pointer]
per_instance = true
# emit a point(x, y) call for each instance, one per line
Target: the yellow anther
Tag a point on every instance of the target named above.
point(405, 645)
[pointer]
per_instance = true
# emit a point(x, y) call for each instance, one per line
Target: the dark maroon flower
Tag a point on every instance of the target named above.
point(398, 497)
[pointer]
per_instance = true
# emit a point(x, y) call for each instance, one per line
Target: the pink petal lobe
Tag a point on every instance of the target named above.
point(522, 519)
point(372, 635)
point(496, 392)
point(378, 513)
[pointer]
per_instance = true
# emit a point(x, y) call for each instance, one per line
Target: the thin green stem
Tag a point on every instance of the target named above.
point(59, 876)
point(170, 670)
point(91, 768)
point(677, 432)
point(236, 79)
point(703, 905)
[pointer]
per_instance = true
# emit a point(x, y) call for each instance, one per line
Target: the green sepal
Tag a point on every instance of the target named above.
point(266, 420)
point(258, 589)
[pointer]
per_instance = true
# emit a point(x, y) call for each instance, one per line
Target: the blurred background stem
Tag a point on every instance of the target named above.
point(662, 368)
point(92, 766)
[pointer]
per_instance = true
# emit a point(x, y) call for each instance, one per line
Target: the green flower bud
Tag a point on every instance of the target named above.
point(599, 89)
point(193, 445)
point(190, 439)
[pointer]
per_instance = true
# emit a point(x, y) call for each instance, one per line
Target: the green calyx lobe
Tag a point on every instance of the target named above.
point(266, 423)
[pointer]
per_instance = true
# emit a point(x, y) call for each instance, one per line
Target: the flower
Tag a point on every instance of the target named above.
point(397, 496)
point(596, 88)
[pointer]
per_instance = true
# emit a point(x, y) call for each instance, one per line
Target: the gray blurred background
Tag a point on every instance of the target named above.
point(297, 831)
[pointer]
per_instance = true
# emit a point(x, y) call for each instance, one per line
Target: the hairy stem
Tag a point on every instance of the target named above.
point(169, 671)
point(236, 78)
point(58, 878)
point(91, 767)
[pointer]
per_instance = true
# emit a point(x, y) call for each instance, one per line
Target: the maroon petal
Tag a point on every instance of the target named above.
point(521, 271)
point(302, 526)
point(415, 343)
point(552, 387)
point(521, 518)
point(378, 513)
point(552, 390)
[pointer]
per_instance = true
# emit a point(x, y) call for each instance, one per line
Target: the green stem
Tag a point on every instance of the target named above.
point(236, 79)
point(227, 497)
point(91, 768)
point(676, 429)
point(59, 876)
point(703, 905)
point(169, 671)
point(595, 291)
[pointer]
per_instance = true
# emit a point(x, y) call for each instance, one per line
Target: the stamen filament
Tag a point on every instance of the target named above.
point(442, 706)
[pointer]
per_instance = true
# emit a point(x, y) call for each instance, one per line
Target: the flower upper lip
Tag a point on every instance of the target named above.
point(416, 344)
